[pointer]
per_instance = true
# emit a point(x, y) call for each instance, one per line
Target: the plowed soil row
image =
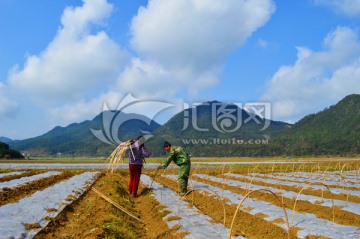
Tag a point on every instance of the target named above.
point(267, 169)
point(92, 217)
point(10, 195)
point(309, 182)
point(340, 217)
point(308, 191)
point(24, 174)
point(246, 225)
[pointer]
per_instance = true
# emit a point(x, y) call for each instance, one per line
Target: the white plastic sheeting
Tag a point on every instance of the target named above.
point(18, 166)
point(192, 220)
point(33, 209)
point(21, 181)
point(309, 223)
point(10, 173)
point(300, 184)
point(330, 178)
point(347, 206)
point(89, 166)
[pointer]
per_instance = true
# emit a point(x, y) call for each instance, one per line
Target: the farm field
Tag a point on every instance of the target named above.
point(274, 200)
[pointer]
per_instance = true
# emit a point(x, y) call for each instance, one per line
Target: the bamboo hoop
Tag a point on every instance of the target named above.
point(248, 186)
point(349, 164)
point(332, 199)
point(247, 195)
point(221, 200)
point(293, 212)
point(324, 175)
point(154, 177)
point(190, 182)
point(224, 181)
point(338, 165)
point(187, 193)
point(281, 188)
point(223, 169)
point(253, 170)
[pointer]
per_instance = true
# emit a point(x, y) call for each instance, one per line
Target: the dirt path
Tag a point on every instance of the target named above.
point(93, 217)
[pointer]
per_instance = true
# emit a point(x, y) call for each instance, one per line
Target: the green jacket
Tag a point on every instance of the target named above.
point(177, 154)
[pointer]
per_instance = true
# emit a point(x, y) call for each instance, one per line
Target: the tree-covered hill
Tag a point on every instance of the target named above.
point(78, 139)
point(215, 129)
point(8, 153)
point(210, 129)
point(5, 139)
point(333, 131)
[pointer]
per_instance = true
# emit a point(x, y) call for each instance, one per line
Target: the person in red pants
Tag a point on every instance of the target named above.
point(137, 153)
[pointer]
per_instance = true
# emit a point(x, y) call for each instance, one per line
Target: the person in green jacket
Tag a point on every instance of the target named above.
point(182, 159)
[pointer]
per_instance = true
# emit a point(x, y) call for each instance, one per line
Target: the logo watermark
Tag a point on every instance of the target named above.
point(224, 118)
point(112, 120)
point(232, 141)
point(228, 118)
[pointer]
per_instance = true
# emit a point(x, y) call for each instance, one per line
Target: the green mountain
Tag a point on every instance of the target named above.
point(78, 139)
point(333, 131)
point(5, 139)
point(210, 129)
point(216, 129)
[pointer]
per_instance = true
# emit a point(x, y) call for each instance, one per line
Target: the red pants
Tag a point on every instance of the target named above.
point(135, 172)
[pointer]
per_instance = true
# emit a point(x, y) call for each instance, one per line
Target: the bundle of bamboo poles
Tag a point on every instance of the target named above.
point(117, 156)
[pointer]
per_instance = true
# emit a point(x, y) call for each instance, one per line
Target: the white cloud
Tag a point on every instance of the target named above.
point(190, 39)
point(112, 100)
point(180, 49)
point(181, 46)
point(74, 112)
point(347, 7)
point(316, 78)
point(76, 21)
point(76, 62)
point(148, 79)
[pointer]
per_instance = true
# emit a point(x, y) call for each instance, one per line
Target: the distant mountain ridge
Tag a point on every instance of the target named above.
point(333, 131)
point(5, 139)
point(77, 139)
point(214, 129)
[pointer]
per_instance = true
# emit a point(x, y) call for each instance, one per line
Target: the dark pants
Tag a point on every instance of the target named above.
point(183, 177)
point(135, 172)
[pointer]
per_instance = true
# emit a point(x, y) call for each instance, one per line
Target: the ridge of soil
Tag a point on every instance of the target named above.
point(246, 224)
point(24, 174)
point(92, 217)
point(11, 195)
point(341, 217)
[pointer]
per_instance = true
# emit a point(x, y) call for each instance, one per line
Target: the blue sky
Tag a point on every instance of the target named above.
point(61, 61)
